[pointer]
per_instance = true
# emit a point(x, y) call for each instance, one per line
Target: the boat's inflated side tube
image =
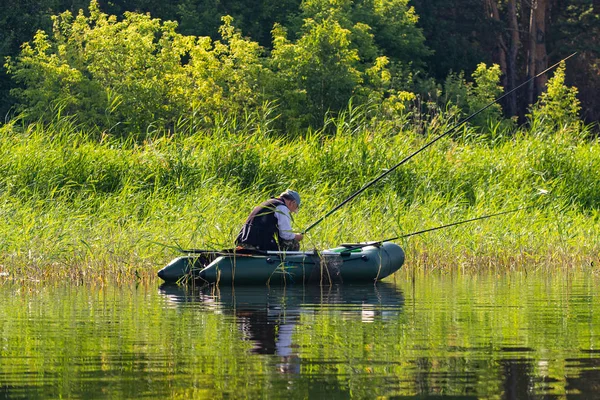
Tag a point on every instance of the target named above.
point(181, 268)
point(395, 256)
point(251, 270)
point(361, 264)
point(371, 263)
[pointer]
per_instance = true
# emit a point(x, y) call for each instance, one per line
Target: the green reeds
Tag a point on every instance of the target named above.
point(80, 207)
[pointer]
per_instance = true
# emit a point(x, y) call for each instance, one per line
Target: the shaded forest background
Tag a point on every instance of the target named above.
point(398, 50)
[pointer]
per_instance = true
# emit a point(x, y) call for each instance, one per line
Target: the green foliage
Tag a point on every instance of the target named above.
point(558, 106)
point(456, 90)
point(381, 27)
point(470, 97)
point(337, 57)
point(139, 75)
point(135, 74)
point(196, 190)
point(456, 41)
point(318, 73)
point(485, 90)
point(396, 32)
point(483, 94)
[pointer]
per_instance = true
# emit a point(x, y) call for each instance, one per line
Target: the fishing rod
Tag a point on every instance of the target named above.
point(449, 131)
point(356, 246)
point(361, 245)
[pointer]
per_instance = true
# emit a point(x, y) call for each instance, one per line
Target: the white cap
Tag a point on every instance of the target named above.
point(289, 193)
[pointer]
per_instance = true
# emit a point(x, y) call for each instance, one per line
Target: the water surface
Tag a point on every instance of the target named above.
point(504, 337)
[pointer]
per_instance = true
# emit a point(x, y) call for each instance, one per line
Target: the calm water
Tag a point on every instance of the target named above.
point(505, 337)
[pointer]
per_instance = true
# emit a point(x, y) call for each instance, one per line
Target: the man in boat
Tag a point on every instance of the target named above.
point(269, 225)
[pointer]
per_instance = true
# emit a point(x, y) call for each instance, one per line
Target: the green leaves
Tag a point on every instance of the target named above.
point(138, 75)
point(470, 97)
point(484, 92)
point(558, 106)
point(319, 73)
point(135, 73)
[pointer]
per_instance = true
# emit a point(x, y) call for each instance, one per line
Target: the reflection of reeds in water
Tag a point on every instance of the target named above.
point(330, 265)
point(83, 208)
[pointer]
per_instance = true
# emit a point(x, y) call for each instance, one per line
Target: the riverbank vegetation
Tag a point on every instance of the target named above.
point(81, 208)
point(133, 141)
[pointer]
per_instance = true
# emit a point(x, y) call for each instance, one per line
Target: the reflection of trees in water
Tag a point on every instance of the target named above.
point(587, 384)
point(430, 382)
point(269, 317)
point(522, 382)
point(517, 379)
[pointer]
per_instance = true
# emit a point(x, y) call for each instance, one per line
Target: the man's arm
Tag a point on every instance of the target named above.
point(284, 222)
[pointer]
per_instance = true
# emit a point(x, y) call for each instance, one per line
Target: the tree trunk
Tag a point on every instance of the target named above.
point(501, 48)
point(506, 53)
point(537, 59)
point(513, 49)
point(541, 56)
point(531, 54)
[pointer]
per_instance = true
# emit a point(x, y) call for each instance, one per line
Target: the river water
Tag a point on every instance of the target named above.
point(506, 336)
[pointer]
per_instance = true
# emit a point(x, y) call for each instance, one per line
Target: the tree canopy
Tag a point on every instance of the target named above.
point(132, 66)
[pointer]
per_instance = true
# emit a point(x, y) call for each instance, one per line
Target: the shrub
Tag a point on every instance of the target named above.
point(136, 74)
point(558, 106)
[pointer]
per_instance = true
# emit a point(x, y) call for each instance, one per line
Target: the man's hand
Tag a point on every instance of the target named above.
point(299, 236)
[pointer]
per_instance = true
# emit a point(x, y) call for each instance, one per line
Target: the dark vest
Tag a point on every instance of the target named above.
point(260, 229)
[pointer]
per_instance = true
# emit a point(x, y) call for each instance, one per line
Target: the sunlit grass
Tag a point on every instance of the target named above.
point(92, 207)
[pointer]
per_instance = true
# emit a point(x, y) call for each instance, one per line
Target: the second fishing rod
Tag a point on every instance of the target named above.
point(428, 144)
point(355, 246)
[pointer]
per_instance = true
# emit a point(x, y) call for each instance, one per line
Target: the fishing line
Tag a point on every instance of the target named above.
point(361, 245)
point(449, 131)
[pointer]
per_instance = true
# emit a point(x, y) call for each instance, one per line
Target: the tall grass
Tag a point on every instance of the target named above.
point(100, 208)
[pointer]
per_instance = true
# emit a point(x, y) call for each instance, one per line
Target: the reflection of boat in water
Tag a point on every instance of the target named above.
point(383, 295)
point(358, 263)
point(267, 316)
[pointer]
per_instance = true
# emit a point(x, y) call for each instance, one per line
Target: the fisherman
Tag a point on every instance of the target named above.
point(269, 225)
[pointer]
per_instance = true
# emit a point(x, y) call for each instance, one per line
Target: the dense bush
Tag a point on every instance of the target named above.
point(558, 107)
point(138, 74)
